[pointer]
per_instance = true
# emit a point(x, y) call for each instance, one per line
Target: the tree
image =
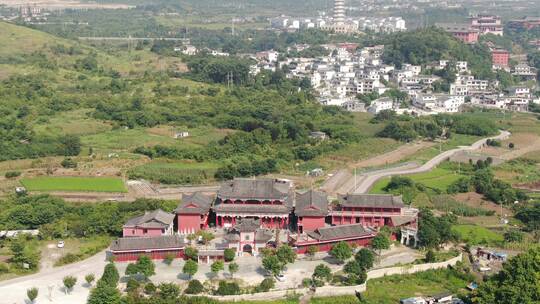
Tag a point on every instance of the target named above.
point(89, 278)
point(322, 272)
point(110, 275)
point(266, 285)
point(32, 294)
point(225, 288)
point(69, 282)
point(430, 256)
point(104, 294)
point(205, 236)
point(517, 282)
point(272, 264)
point(191, 253)
point(229, 254)
point(216, 267)
point(233, 268)
point(169, 258)
point(71, 145)
point(286, 254)
point(380, 242)
point(341, 252)
point(513, 236)
point(190, 268)
point(168, 291)
point(145, 266)
point(365, 258)
point(511, 145)
point(356, 273)
point(194, 287)
point(132, 285)
point(312, 250)
point(150, 288)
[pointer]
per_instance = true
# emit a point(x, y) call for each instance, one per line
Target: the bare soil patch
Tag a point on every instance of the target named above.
point(476, 200)
point(524, 143)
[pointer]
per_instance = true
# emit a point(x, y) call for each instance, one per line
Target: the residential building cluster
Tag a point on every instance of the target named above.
point(251, 214)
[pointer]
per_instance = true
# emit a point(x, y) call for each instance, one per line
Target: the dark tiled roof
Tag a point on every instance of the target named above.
point(256, 189)
point(261, 235)
point(252, 208)
point(339, 232)
point(247, 225)
point(147, 243)
point(196, 203)
point(399, 220)
point(155, 219)
point(311, 203)
point(371, 200)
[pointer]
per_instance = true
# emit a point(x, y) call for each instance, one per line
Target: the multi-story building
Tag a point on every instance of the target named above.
point(487, 24)
point(381, 104)
point(267, 200)
point(192, 214)
point(463, 32)
point(500, 58)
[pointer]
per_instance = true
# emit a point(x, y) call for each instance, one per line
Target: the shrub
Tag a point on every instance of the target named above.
point(32, 294)
point(191, 253)
point(68, 163)
point(430, 256)
point(68, 259)
point(169, 257)
point(513, 236)
point(12, 174)
point(194, 287)
point(229, 254)
point(89, 278)
point(4, 268)
point(511, 145)
point(266, 285)
point(132, 285)
point(150, 288)
point(226, 288)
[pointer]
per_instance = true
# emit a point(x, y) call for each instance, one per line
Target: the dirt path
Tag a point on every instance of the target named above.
point(372, 177)
point(394, 156)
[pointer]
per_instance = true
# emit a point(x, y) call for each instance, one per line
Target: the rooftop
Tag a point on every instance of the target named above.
point(196, 203)
point(256, 189)
point(147, 243)
point(371, 200)
point(311, 203)
point(340, 232)
point(154, 219)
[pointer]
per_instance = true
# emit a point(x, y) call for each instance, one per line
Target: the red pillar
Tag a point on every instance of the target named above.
point(272, 222)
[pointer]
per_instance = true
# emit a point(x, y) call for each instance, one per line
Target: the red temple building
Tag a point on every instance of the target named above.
point(247, 238)
point(311, 210)
point(157, 247)
point(463, 32)
point(500, 58)
point(155, 223)
point(192, 215)
point(325, 238)
point(267, 200)
point(369, 210)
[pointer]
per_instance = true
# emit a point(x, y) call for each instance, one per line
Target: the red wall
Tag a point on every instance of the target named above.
point(127, 232)
point(188, 223)
point(311, 223)
point(156, 255)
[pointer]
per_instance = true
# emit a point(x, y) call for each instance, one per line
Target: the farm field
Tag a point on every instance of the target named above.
point(97, 184)
point(169, 172)
point(439, 178)
point(476, 235)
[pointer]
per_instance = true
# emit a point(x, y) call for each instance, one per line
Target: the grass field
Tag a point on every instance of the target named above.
point(97, 184)
point(170, 172)
point(476, 235)
point(439, 178)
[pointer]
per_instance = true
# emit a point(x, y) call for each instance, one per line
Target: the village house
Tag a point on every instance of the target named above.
point(381, 104)
point(155, 223)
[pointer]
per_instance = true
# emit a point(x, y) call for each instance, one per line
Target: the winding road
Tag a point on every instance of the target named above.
point(366, 181)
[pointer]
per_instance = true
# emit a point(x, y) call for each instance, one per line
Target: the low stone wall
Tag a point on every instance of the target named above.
point(326, 291)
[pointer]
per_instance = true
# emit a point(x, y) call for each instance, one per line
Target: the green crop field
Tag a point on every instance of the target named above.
point(97, 184)
point(476, 235)
point(439, 178)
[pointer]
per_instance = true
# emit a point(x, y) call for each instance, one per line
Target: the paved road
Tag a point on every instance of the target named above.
point(14, 291)
point(370, 178)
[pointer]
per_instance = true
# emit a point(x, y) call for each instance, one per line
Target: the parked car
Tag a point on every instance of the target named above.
point(60, 244)
point(280, 277)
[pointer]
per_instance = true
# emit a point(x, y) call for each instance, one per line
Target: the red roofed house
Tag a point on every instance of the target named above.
point(267, 200)
point(311, 209)
point(192, 213)
point(155, 223)
point(325, 238)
